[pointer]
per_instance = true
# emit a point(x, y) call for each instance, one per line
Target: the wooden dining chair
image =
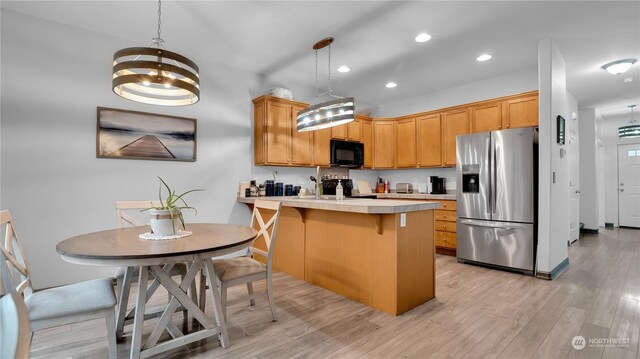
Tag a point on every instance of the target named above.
point(246, 269)
point(124, 211)
point(47, 308)
point(15, 331)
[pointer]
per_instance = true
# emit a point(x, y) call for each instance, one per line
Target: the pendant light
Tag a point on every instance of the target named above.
point(154, 75)
point(333, 112)
point(632, 130)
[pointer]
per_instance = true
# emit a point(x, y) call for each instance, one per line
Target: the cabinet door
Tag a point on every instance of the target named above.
point(429, 133)
point(354, 130)
point(521, 112)
point(278, 133)
point(486, 117)
point(455, 123)
point(259, 133)
point(367, 140)
point(322, 147)
point(301, 142)
point(384, 144)
point(406, 143)
point(339, 132)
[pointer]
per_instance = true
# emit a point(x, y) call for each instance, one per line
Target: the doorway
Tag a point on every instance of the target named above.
point(574, 183)
point(629, 185)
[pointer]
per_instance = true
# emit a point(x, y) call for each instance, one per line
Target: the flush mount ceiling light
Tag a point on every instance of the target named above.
point(390, 85)
point(344, 68)
point(632, 130)
point(154, 75)
point(329, 113)
point(483, 57)
point(423, 37)
point(619, 67)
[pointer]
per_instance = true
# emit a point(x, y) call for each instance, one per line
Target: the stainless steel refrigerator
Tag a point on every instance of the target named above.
point(496, 175)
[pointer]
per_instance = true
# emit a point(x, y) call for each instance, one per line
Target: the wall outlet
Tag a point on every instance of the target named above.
point(403, 219)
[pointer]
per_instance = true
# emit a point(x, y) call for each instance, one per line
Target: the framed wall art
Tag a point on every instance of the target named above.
point(145, 136)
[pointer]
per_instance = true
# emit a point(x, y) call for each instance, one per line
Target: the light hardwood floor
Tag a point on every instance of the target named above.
point(477, 313)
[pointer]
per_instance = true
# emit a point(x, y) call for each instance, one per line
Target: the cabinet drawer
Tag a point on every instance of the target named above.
point(446, 239)
point(446, 226)
point(448, 205)
point(442, 215)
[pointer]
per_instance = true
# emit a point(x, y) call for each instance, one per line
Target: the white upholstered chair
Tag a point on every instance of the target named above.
point(15, 332)
point(126, 217)
point(94, 299)
point(246, 270)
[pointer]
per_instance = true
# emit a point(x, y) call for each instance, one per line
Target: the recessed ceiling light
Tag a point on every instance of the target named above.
point(391, 85)
point(483, 57)
point(619, 67)
point(628, 79)
point(423, 37)
point(344, 68)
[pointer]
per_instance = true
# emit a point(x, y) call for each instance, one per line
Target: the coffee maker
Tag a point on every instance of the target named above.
point(438, 185)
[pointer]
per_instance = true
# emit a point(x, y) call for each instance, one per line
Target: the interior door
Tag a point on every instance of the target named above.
point(574, 182)
point(629, 185)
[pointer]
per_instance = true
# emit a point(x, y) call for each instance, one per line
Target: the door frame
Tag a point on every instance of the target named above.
point(618, 174)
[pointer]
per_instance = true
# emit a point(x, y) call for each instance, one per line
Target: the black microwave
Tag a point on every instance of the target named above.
point(349, 154)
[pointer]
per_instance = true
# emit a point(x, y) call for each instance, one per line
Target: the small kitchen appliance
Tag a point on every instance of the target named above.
point(438, 185)
point(348, 154)
point(404, 188)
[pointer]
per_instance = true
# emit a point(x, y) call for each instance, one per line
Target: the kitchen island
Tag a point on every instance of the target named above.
point(378, 252)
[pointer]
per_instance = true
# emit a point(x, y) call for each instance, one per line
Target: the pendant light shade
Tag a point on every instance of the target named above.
point(333, 112)
point(326, 114)
point(631, 131)
point(154, 75)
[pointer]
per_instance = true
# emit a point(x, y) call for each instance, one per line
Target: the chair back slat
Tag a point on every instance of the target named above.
point(123, 209)
point(266, 229)
point(14, 327)
point(13, 262)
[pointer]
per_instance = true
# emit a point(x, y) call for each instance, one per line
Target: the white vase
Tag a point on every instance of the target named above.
point(162, 223)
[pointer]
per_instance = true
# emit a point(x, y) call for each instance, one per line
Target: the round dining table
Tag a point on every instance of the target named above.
point(155, 258)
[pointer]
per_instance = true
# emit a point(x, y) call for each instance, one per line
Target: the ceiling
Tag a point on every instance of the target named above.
point(375, 39)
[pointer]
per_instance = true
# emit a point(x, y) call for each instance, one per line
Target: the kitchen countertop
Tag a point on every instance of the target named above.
point(416, 196)
point(354, 205)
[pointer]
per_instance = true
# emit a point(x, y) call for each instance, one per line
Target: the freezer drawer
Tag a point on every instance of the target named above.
point(496, 243)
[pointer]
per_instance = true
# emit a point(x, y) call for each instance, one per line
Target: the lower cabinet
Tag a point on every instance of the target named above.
point(446, 228)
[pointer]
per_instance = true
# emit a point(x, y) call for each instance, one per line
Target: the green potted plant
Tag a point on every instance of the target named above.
point(163, 218)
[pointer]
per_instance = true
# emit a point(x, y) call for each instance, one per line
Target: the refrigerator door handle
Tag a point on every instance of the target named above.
point(489, 185)
point(494, 178)
point(491, 224)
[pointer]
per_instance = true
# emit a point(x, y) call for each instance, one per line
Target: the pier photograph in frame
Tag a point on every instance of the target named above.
point(145, 136)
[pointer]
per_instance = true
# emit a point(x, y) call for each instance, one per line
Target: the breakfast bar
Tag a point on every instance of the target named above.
point(377, 252)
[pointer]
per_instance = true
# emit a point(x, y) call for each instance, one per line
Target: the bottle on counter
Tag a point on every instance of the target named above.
point(262, 191)
point(339, 191)
point(253, 189)
point(386, 186)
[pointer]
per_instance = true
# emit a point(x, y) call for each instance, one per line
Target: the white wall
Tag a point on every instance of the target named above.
point(609, 137)
point(505, 85)
point(589, 186)
point(553, 204)
point(53, 78)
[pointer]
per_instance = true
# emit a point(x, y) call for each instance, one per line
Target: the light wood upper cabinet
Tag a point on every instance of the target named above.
point(339, 132)
point(520, 112)
point(354, 130)
point(486, 117)
point(322, 147)
point(454, 123)
point(406, 143)
point(301, 142)
point(278, 133)
point(429, 138)
point(276, 139)
point(367, 140)
point(384, 144)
